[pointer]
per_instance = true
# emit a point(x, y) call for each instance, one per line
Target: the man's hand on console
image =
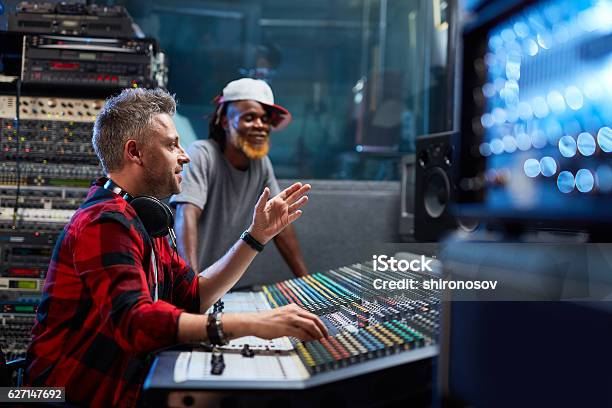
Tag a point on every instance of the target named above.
point(289, 320)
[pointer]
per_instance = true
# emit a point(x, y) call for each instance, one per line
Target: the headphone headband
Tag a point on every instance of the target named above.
point(111, 186)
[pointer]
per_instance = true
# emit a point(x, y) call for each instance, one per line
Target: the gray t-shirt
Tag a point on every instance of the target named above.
point(226, 195)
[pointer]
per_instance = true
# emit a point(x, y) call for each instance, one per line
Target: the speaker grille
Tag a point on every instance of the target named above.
point(436, 194)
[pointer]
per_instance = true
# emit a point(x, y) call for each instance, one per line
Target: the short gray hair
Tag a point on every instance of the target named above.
point(127, 116)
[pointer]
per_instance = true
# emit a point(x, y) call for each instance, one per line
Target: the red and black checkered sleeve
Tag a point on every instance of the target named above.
point(185, 288)
point(108, 256)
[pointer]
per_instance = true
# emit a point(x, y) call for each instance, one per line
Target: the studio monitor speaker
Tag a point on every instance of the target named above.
point(434, 188)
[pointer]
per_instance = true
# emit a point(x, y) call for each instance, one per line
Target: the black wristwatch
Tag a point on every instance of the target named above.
point(252, 242)
point(214, 329)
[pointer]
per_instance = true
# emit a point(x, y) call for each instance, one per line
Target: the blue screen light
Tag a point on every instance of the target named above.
point(521, 29)
point(531, 48)
point(574, 98)
point(540, 108)
point(485, 149)
point(538, 139)
point(497, 146)
point(548, 166)
point(556, 102)
point(547, 94)
point(604, 139)
point(523, 141)
point(509, 144)
point(567, 146)
point(586, 144)
point(487, 120)
point(531, 168)
point(584, 180)
point(565, 182)
point(525, 111)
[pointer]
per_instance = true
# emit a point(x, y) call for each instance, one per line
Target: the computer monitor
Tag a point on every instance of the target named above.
point(536, 116)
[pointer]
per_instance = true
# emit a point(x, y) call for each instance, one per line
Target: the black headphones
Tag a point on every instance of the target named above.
point(155, 216)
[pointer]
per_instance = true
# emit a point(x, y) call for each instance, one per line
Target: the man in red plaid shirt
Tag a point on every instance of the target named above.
point(99, 317)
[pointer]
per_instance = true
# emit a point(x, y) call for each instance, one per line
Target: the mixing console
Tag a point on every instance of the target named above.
point(369, 329)
point(363, 322)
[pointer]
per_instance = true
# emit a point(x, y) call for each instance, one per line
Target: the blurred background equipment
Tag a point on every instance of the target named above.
point(76, 19)
point(88, 62)
point(361, 78)
point(535, 129)
point(535, 167)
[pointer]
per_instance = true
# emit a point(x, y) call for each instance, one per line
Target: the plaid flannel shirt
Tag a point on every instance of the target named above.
point(97, 320)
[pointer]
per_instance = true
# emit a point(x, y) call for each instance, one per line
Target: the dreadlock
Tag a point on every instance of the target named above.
point(215, 126)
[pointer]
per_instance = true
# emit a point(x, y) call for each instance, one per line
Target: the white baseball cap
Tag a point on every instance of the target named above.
point(256, 90)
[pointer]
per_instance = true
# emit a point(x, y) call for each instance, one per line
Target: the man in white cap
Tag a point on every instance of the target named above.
point(227, 174)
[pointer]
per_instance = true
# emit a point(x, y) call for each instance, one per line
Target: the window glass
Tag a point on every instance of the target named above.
point(362, 78)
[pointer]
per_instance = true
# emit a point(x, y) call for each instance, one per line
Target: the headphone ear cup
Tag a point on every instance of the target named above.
point(156, 216)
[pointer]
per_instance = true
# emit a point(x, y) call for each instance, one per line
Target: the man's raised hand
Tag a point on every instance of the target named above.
point(272, 216)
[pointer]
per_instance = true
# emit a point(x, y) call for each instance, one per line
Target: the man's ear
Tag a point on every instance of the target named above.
point(225, 123)
point(132, 153)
